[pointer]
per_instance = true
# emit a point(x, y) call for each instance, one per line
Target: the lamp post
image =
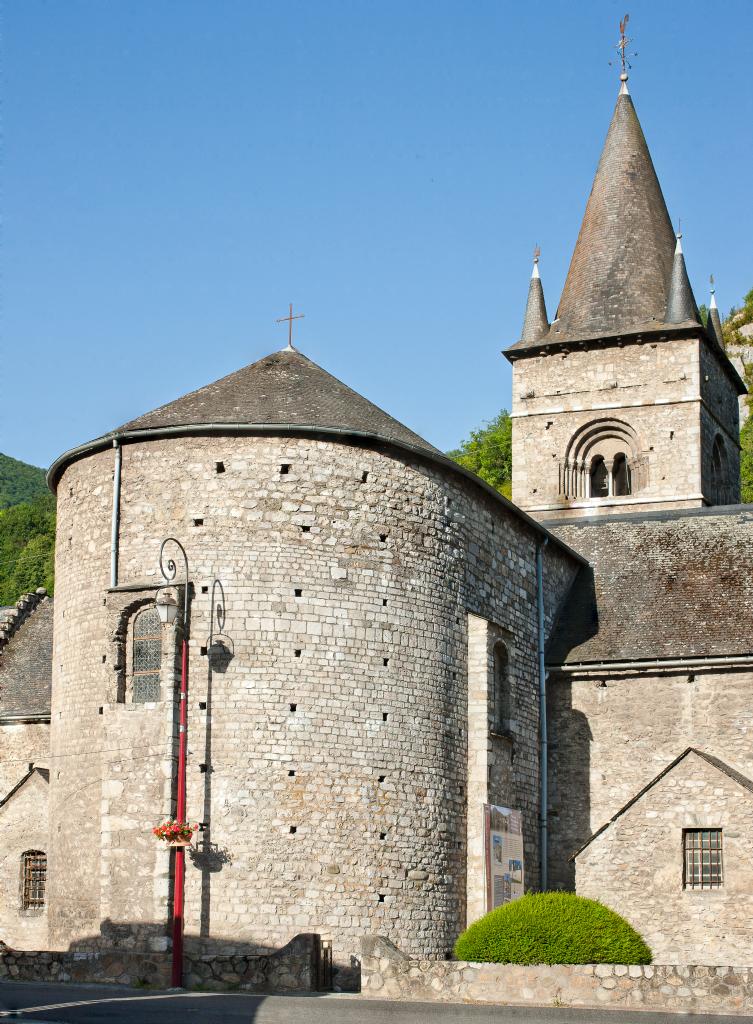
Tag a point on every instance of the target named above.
point(167, 608)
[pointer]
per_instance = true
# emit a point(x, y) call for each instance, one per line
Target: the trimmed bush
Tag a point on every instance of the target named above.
point(552, 928)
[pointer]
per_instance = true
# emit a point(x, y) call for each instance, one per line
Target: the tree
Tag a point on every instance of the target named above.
point(738, 344)
point(27, 543)
point(488, 453)
point(746, 459)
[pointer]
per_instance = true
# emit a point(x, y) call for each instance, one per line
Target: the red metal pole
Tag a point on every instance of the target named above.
point(180, 852)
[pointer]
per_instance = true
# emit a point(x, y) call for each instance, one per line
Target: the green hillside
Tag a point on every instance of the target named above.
point(19, 482)
point(27, 548)
point(27, 530)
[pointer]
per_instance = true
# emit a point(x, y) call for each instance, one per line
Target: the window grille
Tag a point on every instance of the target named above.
point(33, 879)
point(147, 656)
point(703, 858)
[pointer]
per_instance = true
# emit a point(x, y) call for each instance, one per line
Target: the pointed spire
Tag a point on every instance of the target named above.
point(619, 273)
point(535, 322)
point(714, 323)
point(680, 302)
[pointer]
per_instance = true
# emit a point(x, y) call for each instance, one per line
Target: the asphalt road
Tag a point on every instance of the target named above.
point(99, 1004)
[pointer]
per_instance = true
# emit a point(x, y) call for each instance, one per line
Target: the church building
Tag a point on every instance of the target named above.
point(383, 649)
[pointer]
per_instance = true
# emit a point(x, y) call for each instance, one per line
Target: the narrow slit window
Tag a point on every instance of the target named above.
point(33, 879)
point(703, 858)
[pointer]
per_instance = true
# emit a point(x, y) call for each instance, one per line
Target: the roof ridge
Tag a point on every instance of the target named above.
point(13, 618)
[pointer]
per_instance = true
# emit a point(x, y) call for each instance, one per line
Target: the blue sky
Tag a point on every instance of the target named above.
point(175, 173)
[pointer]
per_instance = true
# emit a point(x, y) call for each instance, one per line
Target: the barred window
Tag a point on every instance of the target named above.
point(33, 879)
point(147, 656)
point(703, 858)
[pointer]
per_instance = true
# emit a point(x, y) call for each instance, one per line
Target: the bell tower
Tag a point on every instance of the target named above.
point(625, 402)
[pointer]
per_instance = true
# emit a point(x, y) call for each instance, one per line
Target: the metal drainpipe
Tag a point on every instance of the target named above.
point(543, 742)
point(115, 516)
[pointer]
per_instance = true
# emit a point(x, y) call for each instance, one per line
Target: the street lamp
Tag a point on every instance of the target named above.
point(167, 609)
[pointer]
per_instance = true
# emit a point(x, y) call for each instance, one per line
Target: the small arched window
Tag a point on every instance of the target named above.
point(502, 690)
point(599, 477)
point(147, 656)
point(621, 475)
point(33, 879)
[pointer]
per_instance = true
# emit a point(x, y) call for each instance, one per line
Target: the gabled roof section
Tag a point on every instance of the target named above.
point(42, 773)
point(282, 389)
point(26, 658)
point(715, 762)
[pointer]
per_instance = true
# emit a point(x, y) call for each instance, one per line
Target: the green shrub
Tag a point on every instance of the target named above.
point(552, 928)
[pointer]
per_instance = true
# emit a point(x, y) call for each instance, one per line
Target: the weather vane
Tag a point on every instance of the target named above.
point(622, 49)
point(289, 321)
point(536, 254)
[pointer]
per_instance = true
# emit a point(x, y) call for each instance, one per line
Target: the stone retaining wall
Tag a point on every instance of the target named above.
point(386, 973)
point(294, 968)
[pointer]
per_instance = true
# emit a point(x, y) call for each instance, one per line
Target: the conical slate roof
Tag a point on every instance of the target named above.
point(680, 304)
point(618, 281)
point(282, 389)
point(535, 322)
point(714, 323)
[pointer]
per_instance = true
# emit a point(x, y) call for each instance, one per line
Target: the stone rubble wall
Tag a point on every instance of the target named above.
point(386, 973)
point(339, 710)
point(294, 968)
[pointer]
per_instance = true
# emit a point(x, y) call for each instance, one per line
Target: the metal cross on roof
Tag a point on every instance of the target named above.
point(289, 320)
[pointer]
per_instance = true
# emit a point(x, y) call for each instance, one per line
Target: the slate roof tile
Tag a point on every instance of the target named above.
point(26, 665)
point(662, 585)
point(283, 389)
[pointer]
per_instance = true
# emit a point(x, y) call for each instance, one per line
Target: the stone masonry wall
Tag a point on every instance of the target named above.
point(727, 492)
point(611, 734)
point(23, 827)
point(22, 744)
point(655, 388)
point(386, 973)
point(719, 396)
point(337, 707)
point(636, 867)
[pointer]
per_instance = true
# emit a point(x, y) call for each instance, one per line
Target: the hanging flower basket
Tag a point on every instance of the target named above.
point(175, 833)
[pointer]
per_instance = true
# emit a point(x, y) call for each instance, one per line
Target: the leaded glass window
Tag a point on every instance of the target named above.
point(147, 656)
point(33, 879)
point(703, 858)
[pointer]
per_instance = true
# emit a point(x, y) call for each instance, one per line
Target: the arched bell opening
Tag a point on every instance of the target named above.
point(599, 477)
point(621, 483)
